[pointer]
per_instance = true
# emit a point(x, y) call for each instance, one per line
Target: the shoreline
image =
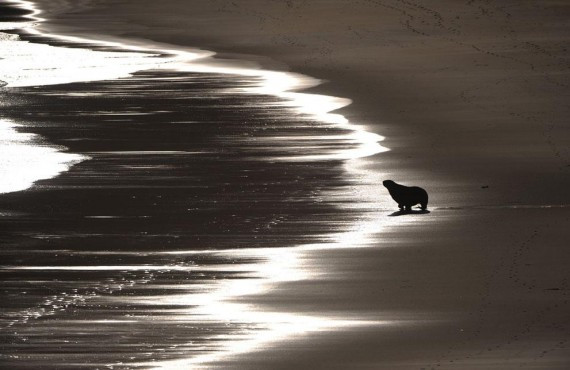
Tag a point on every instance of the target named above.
point(473, 285)
point(357, 143)
point(452, 86)
point(289, 86)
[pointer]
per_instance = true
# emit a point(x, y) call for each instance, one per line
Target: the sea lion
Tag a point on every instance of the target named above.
point(407, 196)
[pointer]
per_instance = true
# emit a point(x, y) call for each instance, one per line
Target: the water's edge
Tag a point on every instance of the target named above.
point(66, 65)
point(272, 266)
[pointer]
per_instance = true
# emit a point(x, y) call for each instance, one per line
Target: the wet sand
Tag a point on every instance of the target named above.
point(472, 99)
point(178, 209)
point(472, 91)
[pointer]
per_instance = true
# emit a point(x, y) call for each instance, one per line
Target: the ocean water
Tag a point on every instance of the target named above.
point(148, 190)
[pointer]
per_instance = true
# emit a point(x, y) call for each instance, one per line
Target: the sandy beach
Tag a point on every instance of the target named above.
point(472, 99)
point(474, 91)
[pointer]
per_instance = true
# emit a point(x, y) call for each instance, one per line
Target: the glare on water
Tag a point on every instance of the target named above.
point(25, 159)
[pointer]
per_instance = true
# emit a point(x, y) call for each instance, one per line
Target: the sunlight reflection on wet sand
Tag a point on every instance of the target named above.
point(222, 300)
point(23, 158)
point(29, 64)
point(225, 301)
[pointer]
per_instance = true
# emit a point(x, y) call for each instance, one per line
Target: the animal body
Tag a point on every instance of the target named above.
point(407, 196)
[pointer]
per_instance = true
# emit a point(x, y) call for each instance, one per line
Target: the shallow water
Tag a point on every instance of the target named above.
point(198, 185)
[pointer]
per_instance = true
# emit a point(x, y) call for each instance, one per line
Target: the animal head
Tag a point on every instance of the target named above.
point(389, 184)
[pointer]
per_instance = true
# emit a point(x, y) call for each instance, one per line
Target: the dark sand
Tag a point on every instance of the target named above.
point(469, 95)
point(473, 91)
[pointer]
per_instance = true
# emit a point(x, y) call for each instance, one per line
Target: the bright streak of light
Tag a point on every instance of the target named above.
point(24, 159)
point(219, 300)
point(30, 64)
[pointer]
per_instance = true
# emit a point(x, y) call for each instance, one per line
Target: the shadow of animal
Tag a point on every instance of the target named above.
point(407, 196)
point(403, 212)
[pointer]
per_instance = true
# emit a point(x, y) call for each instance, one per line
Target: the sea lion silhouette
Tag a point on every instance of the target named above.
point(407, 196)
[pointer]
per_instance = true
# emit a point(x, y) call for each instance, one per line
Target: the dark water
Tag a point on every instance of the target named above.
point(10, 12)
point(178, 164)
